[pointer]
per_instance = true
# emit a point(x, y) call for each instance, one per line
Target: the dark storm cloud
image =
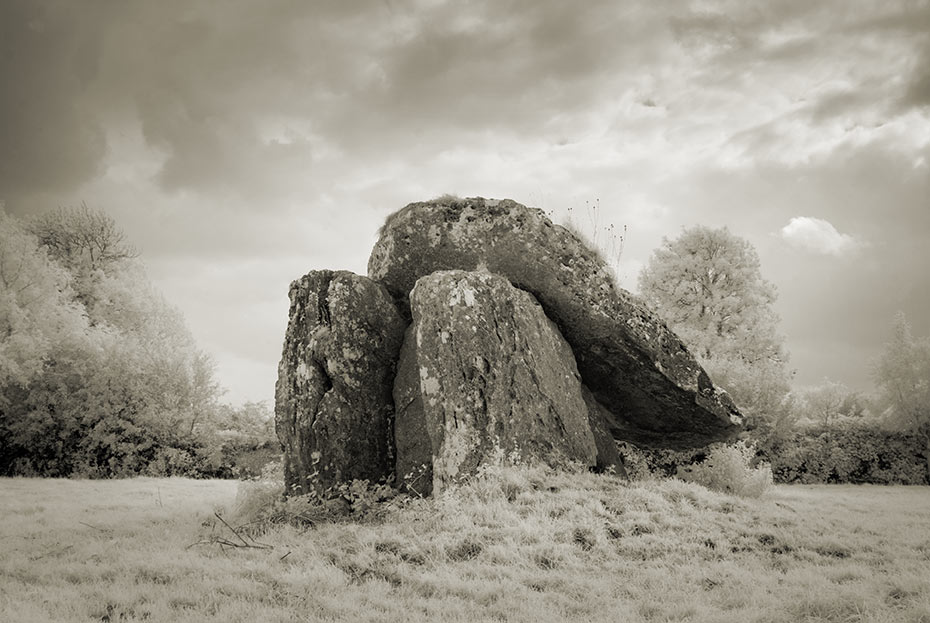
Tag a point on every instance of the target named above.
point(198, 77)
point(859, 62)
point(50, 135)
point(445, 74)
point(841, 103)
point(360, 79)
point(908, 24)
point(365, 80)
point(199, 85)
point(917, 94)
point(505, 66)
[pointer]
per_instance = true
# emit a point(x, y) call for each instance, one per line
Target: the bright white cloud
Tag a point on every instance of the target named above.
point(818, 236)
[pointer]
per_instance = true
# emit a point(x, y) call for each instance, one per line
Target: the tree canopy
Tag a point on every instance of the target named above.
point(708, 286)
point(99, 375)
point(902, 374)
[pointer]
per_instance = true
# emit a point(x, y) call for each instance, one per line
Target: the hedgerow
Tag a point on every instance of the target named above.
point(855, 453)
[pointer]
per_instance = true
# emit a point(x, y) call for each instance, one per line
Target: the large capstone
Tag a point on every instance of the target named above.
point(333, 405)
point(651, 389)
point(494, 380)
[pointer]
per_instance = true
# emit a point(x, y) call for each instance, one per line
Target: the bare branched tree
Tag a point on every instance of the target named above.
point(82, 238)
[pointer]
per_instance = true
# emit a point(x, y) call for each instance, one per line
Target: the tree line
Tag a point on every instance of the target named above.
point(99, 374)
point(708, 286)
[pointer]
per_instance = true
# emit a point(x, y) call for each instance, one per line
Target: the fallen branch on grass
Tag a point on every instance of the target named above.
point(95, 527)
point(222, 542)
point(52, 552)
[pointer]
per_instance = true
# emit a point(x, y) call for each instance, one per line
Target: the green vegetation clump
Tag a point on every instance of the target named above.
point(734, 468)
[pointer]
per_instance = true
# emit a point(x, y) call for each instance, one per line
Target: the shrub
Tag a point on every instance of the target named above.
point(247, 458)
point(854, 453)
point(260, 502)
point(643, 463)
point(846, 451)
point(170, 462)
point(728, 468)
point(635, 461)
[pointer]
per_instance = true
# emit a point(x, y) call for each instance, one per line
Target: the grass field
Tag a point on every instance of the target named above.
point(523, 546)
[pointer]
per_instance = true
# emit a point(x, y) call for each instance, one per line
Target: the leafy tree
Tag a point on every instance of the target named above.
point(36, 308)
point(251, 419)
point(831, 402)
point(178, 377)
point(762, 390)
point(118, 297)
point(707, 285)
point(902, 374)
point(89, 245)
point(825, 402)
point(98, 373)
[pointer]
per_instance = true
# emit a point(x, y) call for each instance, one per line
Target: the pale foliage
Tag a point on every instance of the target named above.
point(830, 403)
point(761, 389)
point(37, 313)
point(825, 401)
point(707, 285)
point(95, 366)
point(729, 469)
point(83, 240)
point(903, 376)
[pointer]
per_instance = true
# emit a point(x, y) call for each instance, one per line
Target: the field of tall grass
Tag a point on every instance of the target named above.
point(516, 545)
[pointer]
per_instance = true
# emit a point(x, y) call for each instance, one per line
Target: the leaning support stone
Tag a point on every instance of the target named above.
point(414, 461)
point(495, 378)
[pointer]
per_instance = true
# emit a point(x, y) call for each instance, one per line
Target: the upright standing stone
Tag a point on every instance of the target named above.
point(333, 405)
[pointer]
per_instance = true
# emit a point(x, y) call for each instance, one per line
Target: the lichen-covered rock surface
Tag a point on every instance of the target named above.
point(495, 378)
point(652, 390)
point(333, 403)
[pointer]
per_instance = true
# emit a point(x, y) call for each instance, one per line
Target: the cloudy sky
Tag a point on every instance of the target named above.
point(241, 144)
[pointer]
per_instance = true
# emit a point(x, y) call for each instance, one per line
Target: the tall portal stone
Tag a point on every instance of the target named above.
point(333, 406)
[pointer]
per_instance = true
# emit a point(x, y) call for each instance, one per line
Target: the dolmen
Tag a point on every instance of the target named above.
point(482, 330)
